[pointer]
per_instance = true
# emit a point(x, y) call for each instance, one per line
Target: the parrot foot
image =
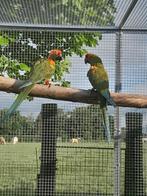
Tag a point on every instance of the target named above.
point(48, 83)
point(92, 91)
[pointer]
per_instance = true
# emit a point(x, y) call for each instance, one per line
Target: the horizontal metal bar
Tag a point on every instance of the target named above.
point(134, 30)
point(55, 27)
point(90, 147)
point(32, 27)
point(87, 147)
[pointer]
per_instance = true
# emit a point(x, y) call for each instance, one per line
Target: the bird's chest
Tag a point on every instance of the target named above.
point(96, 74)
point(42, 70)
point(93, 74)
point(49, 71)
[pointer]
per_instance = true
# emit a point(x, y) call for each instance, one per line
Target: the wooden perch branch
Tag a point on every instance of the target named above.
point(73, 94)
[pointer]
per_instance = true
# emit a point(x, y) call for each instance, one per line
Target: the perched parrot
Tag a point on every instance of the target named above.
point(42, 69)
point(98, 78)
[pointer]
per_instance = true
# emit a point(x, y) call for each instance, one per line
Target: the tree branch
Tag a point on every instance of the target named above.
point(73, 94)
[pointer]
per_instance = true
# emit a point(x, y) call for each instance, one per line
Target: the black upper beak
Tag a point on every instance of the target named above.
point(85, 60)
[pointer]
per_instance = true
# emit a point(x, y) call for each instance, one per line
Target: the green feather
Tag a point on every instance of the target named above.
point(42, 69)
point(105, 117)
point(20, 98)
point(98, 78)
point(105, 93)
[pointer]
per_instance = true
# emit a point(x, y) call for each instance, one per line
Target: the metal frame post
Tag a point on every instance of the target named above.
point(47, 176)
point(117, 139)
point(134, 155)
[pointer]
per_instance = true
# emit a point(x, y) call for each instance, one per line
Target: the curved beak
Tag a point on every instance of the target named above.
point(86, 61)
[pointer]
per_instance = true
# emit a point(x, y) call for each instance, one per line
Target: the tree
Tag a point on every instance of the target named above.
point(84, 122)
point(31, 45)
point(16, 124)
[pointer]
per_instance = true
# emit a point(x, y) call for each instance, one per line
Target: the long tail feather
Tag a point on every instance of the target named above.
point(17, 102)
point(25, 84)
point(105, 117)
point(109, 99)
point(28, 83)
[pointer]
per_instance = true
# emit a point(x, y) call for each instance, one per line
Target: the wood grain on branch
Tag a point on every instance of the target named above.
point(73, 94)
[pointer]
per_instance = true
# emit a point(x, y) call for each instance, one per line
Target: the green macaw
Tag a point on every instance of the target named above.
point(98, 78)
point(42, 69)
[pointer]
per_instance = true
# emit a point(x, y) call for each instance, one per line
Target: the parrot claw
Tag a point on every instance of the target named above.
point(92, 91)
point(48, 83)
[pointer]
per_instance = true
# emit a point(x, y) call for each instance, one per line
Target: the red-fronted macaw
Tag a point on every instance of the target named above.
point(98, 78)
point(43, 69)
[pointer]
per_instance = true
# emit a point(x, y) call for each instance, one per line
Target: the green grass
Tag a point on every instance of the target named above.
point(18, 168)
point(79, 170)
point(85, 169)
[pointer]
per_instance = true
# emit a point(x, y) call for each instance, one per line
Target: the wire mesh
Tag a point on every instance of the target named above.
point(57, 12)
point(134, 69)
point(73, 13)
point(68, 154)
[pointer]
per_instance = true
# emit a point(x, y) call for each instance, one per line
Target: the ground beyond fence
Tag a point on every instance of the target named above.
point(86, 169)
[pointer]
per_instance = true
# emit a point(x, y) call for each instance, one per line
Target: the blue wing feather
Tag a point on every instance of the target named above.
point(105, 93)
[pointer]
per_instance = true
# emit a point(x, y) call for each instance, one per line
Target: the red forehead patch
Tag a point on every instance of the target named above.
point(56, 52)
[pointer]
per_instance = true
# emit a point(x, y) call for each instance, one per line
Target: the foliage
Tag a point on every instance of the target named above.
point(33, 45)
point(20, 49)
point(13, 68)
point(61, 68)
point(16, 125)
point(63, 12)
point(83, 122)
point(3, 41)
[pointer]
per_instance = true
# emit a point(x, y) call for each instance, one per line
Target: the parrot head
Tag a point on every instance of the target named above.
point(92, 59)
point(55, 54)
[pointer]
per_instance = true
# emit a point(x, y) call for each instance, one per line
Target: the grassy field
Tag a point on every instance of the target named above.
point(81, 170)
point(18, 168)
